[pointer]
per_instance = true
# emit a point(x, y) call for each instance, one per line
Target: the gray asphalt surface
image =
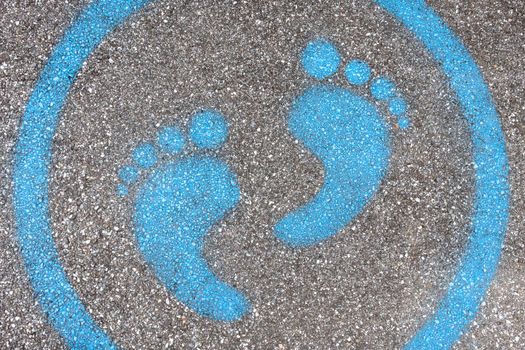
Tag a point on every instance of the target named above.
point(371, 286)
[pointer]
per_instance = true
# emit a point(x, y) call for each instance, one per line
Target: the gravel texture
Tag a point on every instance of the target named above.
point(371, 286)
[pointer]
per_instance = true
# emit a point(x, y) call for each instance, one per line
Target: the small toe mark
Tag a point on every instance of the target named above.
point(320, 59)
point(382, 88)
point(358, 72)
point(208, 129)
point(403, 122)
point(397, 106)
point(128, 174)
point(122, 190)
point(145, 155)
point(171, 140)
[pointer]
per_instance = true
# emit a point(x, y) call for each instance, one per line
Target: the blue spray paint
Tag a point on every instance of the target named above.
point(208, 130)
point(128, 174)
point(176, 206)
point(30, 176)
point(358, 72)
point(320, 59)
point(351, 138)
point(403, 122)
point(382, 88)
point(397, 106)
point(145, 155)
point(171, 140)
point(491, 208)
point(33, 153)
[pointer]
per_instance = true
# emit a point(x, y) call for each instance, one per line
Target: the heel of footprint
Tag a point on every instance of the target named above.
point(347, 132)
point(176, 203)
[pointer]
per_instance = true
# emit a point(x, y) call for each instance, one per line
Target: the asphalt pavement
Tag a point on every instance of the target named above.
point(367, 266)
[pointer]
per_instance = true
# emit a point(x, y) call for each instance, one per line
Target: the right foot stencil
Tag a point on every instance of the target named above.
point(348, 134)
point(176, 204)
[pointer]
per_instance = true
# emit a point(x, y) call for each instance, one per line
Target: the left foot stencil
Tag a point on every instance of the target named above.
point(176, 205)
point(350, 137)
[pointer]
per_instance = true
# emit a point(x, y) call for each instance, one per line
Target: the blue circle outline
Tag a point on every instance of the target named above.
point(39, 121)
point(491, 204)
point(57, 297)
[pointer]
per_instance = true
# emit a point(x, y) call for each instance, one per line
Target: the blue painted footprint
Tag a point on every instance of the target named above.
point(348, 134)
point(177, 204)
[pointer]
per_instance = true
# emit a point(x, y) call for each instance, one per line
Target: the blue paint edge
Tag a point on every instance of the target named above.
point(52, 288)
point(491, 207)
point(33, 155)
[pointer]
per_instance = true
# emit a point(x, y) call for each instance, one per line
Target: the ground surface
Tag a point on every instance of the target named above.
point(371, 286)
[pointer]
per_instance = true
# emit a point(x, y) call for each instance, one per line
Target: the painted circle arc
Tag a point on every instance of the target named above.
point(33, 155)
